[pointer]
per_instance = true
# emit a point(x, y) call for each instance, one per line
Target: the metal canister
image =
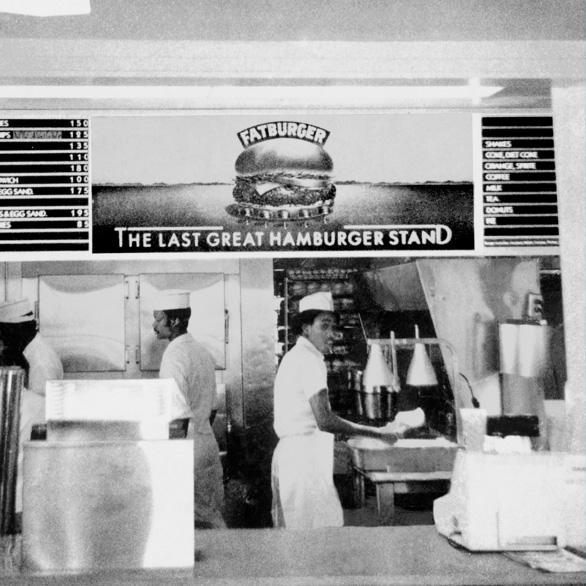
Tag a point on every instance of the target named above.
point(370, 400)
point(355, 385)
point(11, 383)
point(376, 403)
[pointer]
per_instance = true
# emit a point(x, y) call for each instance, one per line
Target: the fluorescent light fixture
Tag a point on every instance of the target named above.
point(475, 90)
point(101, 92)
point(333, 95)
point(45, 7)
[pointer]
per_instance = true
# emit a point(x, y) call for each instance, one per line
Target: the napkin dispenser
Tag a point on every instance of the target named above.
point(505, 502)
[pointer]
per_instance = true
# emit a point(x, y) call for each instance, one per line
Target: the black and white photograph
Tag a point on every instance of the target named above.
point(292, 293)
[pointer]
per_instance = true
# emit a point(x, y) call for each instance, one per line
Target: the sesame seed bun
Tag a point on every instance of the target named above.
point(284, 155)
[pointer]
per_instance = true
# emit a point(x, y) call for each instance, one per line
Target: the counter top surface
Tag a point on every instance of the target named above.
point(414, 555)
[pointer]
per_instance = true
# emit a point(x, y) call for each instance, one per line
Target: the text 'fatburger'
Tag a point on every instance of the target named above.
point(269, 130)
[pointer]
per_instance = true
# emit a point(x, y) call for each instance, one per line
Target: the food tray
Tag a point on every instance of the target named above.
point(407, 455)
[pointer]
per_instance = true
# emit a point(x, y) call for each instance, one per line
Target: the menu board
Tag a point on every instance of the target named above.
point(44, 184)
point(519, 181)
point(322, 183)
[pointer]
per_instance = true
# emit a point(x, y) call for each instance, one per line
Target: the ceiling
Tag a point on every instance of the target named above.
point(311, 20)
point(518, 45)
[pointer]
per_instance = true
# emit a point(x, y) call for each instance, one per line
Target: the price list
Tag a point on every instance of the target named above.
point(44, 184)
point(519, 181)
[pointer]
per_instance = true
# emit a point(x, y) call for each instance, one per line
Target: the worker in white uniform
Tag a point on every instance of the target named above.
point(191, 365)
point(23, 345)
point(304, 495)
point(21, 338)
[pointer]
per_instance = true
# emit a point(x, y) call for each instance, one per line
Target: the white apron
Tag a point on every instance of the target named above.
point(304, 495)
point(208, 483)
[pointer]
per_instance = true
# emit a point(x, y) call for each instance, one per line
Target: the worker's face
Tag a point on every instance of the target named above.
point(321, 332)
point(161, 325)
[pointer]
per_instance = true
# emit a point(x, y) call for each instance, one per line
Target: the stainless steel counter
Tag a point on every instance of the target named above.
point(354, 556)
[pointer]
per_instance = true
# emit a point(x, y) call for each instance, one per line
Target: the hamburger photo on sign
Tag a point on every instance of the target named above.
point(283, 173)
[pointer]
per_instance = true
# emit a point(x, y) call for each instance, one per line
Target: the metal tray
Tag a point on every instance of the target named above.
point(407, 455)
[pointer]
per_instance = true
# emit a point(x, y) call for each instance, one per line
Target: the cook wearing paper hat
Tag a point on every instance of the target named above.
point(171, 311)
point(24, 346)
point(192, 367)
point(171, 299)
point(321, 301)
point(311, 307)
point(305, 424)
point(21, 339)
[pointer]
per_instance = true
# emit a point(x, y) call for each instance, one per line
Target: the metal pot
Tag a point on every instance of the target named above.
point(375, 403)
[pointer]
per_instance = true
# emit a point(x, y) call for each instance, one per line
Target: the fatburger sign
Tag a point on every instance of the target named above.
point(272, 130)
point(284, 172)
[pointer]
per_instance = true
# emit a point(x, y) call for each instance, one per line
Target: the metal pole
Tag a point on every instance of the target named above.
point(12, 379)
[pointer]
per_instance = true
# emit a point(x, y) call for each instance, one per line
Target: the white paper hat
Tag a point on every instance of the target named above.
point(16, 311)
point(171, 299)
point(322, 301)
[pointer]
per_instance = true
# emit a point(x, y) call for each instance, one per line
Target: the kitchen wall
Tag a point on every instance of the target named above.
point(249, 329)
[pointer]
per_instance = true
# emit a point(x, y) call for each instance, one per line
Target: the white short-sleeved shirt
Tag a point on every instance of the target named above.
point(302, 373)
point(193, 368)
point(44, 365)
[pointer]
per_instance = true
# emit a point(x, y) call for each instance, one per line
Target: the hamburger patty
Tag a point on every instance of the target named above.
point(245, 190)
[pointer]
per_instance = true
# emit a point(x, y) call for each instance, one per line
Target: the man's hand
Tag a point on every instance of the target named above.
point(407, 420)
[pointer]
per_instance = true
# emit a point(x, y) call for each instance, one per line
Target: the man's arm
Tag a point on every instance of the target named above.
point(332, 423)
